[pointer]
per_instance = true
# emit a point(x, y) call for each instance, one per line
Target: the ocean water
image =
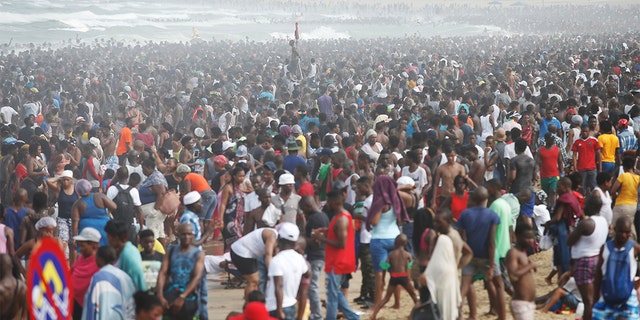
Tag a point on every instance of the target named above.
point(63, 21)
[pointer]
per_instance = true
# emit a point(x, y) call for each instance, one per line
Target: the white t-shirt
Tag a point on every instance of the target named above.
point(351, 193)
point(420, 178)
point(251, 245)
point(510, 151)
point(290, 265)
point(137, 170)
point(112, 192)
point(541, 215)
point(7, 113)
point(251, 202)
point(365, 235)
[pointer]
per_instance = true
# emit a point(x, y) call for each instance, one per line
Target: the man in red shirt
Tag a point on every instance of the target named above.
point(550, 161)
point(340, 258)
point(587, 159)
point(305, 188)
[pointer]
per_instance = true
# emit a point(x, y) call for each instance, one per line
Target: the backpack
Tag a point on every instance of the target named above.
point(123, 199)
point(617, 283)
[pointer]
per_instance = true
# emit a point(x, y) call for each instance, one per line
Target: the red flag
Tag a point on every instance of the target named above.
point(297, 35)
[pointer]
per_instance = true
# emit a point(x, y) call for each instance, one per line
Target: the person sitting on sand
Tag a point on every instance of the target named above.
point(398, 263)
point(567, 295)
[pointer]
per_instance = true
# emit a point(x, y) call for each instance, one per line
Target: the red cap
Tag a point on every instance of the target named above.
point(623, 123)
point(221, 160)
point(256, 311)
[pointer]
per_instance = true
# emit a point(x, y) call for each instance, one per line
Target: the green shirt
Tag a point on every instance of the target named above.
point(503, 239)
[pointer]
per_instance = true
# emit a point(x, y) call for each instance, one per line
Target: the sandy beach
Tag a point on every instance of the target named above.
point(222, 301)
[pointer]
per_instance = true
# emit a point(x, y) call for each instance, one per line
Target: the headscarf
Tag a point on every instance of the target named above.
point(83, 187)
point(385, 192)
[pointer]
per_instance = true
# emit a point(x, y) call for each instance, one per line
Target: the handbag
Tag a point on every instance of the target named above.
point(168, 203)
point(190, 306)
point(426, 311)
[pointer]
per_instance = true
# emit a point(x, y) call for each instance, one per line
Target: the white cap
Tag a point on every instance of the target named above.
point(191, 198)
point(88, 234)
point(288, 231)
point(286, 178)
point(227, 144)
point(67, 174)
point(198, 132)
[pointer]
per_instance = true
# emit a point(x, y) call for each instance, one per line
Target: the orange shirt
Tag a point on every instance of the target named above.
point(125, 137)
point(198, 182)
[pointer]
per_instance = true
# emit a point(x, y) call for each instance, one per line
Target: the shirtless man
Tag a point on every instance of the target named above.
point(382, 136)
point(445, 175)
point(254, 218)
point(108, 141)
point(476, 167)
point(13, 292)
point(520, 272)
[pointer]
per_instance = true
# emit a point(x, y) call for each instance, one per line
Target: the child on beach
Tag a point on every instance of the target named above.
point(398, 264)
point(520, 272)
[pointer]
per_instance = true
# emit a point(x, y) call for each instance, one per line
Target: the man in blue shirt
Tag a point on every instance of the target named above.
point(547, 120)
point(293, 160)
point(477, 226)
point(110, 294)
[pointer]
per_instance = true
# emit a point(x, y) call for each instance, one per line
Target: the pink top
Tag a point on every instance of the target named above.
point(81, 273)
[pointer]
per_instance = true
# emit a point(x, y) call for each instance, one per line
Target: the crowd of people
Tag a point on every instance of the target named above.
point(416, 158)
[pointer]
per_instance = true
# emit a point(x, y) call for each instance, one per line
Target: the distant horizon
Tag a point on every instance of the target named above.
point(65, 22)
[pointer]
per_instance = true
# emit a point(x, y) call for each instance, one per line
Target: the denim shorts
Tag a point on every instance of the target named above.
point(380, 249)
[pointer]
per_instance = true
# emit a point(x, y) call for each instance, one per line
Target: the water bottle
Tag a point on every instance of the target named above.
point(579, 311)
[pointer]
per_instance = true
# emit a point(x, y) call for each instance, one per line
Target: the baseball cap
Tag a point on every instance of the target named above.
point(288, 231)
point(88, 234)
point(221, 160)
point(191, 198)
point(67, 174)
point(270, 165)
point(325, 152)
point(623, 123)
point(286, 178)
point(241, 152)
point(255, 311)
point(227, 144)
point(9, 140)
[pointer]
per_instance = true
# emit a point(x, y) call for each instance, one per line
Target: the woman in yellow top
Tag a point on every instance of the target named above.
point(625, 192)
point(610, 145)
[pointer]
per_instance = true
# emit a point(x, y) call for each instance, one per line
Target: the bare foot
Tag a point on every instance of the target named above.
point(548, 281)
point(396, 306)
point(491, 313)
